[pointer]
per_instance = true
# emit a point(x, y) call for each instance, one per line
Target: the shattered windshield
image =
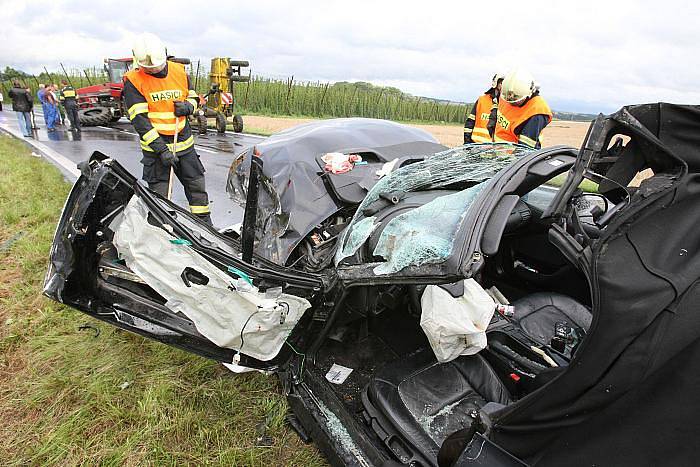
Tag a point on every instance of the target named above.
point(426, 234)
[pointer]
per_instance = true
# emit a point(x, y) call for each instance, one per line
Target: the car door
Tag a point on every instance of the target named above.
point(135, 260)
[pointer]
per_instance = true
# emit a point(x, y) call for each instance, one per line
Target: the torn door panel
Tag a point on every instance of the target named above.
point(231, 313)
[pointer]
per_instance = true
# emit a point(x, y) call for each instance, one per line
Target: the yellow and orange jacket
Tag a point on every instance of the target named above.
point(477, 128)
point(516, 124)
point(150, 99)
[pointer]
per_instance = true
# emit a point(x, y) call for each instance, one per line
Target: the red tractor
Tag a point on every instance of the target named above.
point(102, 104)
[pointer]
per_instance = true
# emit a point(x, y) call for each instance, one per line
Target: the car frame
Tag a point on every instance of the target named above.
point(534, 428)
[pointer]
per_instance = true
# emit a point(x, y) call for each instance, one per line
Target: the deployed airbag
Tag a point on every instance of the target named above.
point(456, 326)
point(229, 312)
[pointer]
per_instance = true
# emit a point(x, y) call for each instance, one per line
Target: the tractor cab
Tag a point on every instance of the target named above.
point(116, 68)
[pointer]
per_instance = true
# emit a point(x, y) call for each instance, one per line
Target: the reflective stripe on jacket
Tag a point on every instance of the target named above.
point(511, 117)
point(482, 112)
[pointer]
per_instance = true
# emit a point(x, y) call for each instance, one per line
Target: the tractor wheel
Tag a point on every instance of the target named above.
point(202, 124)
point(94, 116)
point(238, 63)
point(220, 123)
point(237, 123)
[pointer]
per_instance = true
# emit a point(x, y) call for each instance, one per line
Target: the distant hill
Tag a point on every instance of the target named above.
point(573, 116)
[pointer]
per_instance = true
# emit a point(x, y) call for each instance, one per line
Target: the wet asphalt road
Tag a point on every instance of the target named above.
point(121, 142)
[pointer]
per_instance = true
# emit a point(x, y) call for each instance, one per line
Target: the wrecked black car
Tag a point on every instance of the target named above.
point(424, 305)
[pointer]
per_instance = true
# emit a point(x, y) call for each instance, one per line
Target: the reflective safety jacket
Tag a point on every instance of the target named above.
point(150, 105)
point(481, 114)
point(512, 120)
point(67, 95)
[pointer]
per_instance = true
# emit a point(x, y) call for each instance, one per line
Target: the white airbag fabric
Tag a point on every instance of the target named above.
point(456, 326)
point(234, 318)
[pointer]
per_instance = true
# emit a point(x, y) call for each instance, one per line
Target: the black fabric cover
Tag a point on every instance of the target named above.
point(630, 394)
point(426, 401)
point(538, 313)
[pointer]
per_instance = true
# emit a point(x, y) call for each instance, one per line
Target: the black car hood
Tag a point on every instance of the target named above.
point(296, 194)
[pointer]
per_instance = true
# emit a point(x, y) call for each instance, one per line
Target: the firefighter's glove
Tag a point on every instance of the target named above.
point(183, 108)
point(169, 159)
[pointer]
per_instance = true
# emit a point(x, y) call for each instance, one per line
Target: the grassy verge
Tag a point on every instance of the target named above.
point(67, 397)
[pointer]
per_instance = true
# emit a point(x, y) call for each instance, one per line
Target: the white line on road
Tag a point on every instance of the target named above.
point(58, 159)
point(105, 127)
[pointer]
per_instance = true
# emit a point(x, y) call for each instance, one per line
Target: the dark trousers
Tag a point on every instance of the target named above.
point(72, 113)
point(190, 172)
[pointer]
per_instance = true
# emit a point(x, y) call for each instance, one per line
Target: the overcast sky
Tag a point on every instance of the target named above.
point(590, 56)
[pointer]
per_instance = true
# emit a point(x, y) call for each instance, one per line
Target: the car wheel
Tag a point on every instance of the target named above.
point(220, 123)
point(237, 123)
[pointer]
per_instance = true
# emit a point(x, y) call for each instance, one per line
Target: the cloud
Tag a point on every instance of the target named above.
point(593, 56)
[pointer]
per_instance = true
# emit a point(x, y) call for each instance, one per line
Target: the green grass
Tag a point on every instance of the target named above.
point(586, 185)
point(67, 397)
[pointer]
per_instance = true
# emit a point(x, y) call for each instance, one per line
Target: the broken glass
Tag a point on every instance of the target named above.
point(423, 235)
point(463, 168)
point(359, 235)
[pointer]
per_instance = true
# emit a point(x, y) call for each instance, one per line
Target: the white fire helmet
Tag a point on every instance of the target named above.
point(517, 86)
point(149, 52)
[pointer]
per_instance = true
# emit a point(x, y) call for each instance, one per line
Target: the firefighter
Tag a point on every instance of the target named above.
point(522, 112)
point(68, 99)
point(158, 96)
point(481, 122)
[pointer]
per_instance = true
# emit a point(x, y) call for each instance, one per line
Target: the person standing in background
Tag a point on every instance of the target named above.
point(56, 93)
point(70, 104)
point(1, 99)
point(48, 106)
point(22, 104)
point(522, 112)
point(481, 122)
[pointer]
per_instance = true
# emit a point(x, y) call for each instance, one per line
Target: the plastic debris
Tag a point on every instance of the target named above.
point(124, 385)
point(387, 168)
point(505, 310)
point(339, 163)
point(240, 274)
point(338, 374)
point(180, 241)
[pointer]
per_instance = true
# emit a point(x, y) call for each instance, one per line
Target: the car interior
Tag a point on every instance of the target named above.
point(397, 388)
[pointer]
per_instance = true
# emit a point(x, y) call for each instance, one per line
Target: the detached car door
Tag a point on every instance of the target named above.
point(128, 257)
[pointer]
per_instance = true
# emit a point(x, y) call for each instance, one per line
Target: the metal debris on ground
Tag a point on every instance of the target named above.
point(7, 244)
point(87, 326)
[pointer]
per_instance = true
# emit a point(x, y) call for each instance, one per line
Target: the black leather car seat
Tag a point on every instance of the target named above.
point(538, 313)
point(413, 404)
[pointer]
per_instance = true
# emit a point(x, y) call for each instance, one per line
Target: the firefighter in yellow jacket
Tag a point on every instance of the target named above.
point(159, 97)
point(522, 112)
point(481, 122)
